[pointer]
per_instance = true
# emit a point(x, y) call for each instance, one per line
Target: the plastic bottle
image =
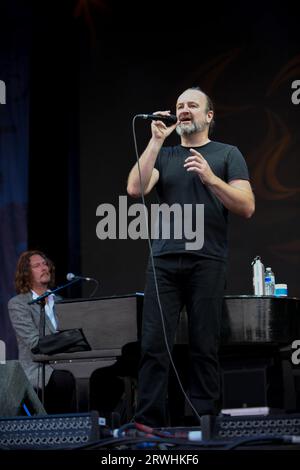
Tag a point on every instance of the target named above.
point(269, 282)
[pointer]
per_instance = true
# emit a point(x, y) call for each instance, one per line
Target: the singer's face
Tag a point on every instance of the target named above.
point(191, 112)
point(40, 274)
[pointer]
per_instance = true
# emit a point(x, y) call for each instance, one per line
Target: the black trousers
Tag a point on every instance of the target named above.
point(198, 283)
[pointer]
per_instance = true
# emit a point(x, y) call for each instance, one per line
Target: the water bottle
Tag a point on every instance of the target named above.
point(269, 282)
point(258, 276)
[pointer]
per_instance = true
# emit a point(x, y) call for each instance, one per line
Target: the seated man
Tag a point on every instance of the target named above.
point(34, 276)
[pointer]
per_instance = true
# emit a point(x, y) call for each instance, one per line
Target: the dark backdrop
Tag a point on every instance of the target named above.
point(94, 64)
point(246, 57)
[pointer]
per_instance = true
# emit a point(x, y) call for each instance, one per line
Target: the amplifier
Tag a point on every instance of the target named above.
point(235, 427)
point(49, 432)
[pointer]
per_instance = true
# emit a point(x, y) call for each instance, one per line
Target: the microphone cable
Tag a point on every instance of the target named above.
point(71, 277)
point(155, 277)
point(95, 288)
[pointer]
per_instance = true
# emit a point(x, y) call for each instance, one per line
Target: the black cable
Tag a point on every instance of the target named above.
point(130, 440)
point(95, 288)
point(256, 440)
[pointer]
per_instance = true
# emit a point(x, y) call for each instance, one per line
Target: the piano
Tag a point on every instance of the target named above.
point(108, 324)
point(111, 324)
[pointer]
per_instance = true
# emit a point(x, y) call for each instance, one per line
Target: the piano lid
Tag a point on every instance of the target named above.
point(254, 319)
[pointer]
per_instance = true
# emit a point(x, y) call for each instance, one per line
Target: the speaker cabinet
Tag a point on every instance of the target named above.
point(244, 388)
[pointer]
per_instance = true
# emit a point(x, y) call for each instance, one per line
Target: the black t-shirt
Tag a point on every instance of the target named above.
point(177, 186)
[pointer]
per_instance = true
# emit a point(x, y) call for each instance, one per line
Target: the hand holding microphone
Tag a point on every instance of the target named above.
point(163, 123)
point(166, 118)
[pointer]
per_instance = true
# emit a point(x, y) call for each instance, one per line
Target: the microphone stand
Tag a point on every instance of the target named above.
point(48, 292)
point(41, 301)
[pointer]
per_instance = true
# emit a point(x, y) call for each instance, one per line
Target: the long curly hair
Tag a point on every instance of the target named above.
point(23, 278)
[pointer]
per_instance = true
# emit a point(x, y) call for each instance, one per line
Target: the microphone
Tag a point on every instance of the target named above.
point(170, 119)
point(71, 277)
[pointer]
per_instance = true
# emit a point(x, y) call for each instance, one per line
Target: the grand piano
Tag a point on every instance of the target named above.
point(256, 331)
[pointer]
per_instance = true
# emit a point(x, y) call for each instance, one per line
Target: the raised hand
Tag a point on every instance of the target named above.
point(196, 162)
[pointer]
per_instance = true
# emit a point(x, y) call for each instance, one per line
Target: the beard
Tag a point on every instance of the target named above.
point(45, 278)
point(187, 129)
